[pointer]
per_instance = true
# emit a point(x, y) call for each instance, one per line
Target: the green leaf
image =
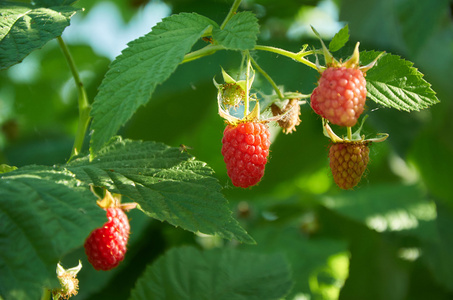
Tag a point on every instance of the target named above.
point(394, 82)
point(50, 3)
point(187, 273)
point(45, 213)
point(25, 28)
point(145, 63)
point(167, 183)
point(340, 39)
point(240, 33)
point(385, 208)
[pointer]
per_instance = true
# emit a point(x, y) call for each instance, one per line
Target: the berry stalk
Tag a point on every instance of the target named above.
point(84, 105)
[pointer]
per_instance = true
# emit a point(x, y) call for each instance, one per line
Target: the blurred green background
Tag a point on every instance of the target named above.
point(390, 238)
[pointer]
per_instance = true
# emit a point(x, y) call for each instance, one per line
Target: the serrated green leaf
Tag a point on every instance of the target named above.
point(45, 213)
point(188, 273)
point(167, 183)
point(240, 33)
point(394, 82)
point(145, 63)
point(25, 28)
point(339, 39)
point(388, 209)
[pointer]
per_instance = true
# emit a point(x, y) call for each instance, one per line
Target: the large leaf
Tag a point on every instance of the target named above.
point(44, 214)
point(24, 28)
point(240, 33)
point(167, 183)
point(394, 82)
point(388, 209)
point(145, 63)
point(50, 3)
point(187, 273)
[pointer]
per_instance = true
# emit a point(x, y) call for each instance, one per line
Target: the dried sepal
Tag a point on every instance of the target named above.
point(289, 115)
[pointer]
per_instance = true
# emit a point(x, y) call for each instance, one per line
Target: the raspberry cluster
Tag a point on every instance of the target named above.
point(105, 247)
point(348, 161)
point(340, 95)
point(245, 148)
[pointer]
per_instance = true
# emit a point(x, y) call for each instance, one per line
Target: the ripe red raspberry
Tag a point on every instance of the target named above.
point(106, 246)
point(314, 102)
point(340, 95)
point(348, 161)
point(245, 150)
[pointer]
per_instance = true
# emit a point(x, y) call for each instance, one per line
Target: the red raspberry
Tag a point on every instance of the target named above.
point(245, 150)
point(348, 161)
point(314, 103)
point(340, 95)
point(106, 246)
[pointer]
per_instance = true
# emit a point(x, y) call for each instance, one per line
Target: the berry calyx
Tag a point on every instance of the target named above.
point(69, 284)
point(105, 247)
point(245, 148)
point(289, 115)
point(340, 95)
point(348, 161)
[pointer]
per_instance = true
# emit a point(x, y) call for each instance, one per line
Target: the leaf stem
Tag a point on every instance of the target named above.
point(46, 293)
point(349, 133)
point(247, 84)
point(205, 51)
point(231, 13)
point(296, 56)
point(271, 81)
point(84, 105)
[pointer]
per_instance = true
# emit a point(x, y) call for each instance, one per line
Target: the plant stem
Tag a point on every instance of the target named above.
point(296, 56)
point(349, 133)
point(205, 51)
point(231, 13)
point(84, 105)
point(247, 84)
point(274, 85)
point(45, 294)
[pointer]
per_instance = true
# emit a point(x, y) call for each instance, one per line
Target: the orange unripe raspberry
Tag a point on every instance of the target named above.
point(348, 161)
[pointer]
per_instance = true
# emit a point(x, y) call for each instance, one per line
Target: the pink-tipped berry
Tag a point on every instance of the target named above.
point(340, 95)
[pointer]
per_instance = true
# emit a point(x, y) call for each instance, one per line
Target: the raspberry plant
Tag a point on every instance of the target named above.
point(296, 230)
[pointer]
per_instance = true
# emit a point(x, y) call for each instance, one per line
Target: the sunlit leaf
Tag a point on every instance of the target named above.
point(167, 183)
point(187, 273)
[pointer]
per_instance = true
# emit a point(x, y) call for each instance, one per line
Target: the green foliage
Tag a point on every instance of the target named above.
point(133, 76)
point(188, 273)
point(240, 33)
point(395, 83)
point(167, 183)
point(45, 213)
point(339, 39)
point(390, 238)
point(25, 28)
